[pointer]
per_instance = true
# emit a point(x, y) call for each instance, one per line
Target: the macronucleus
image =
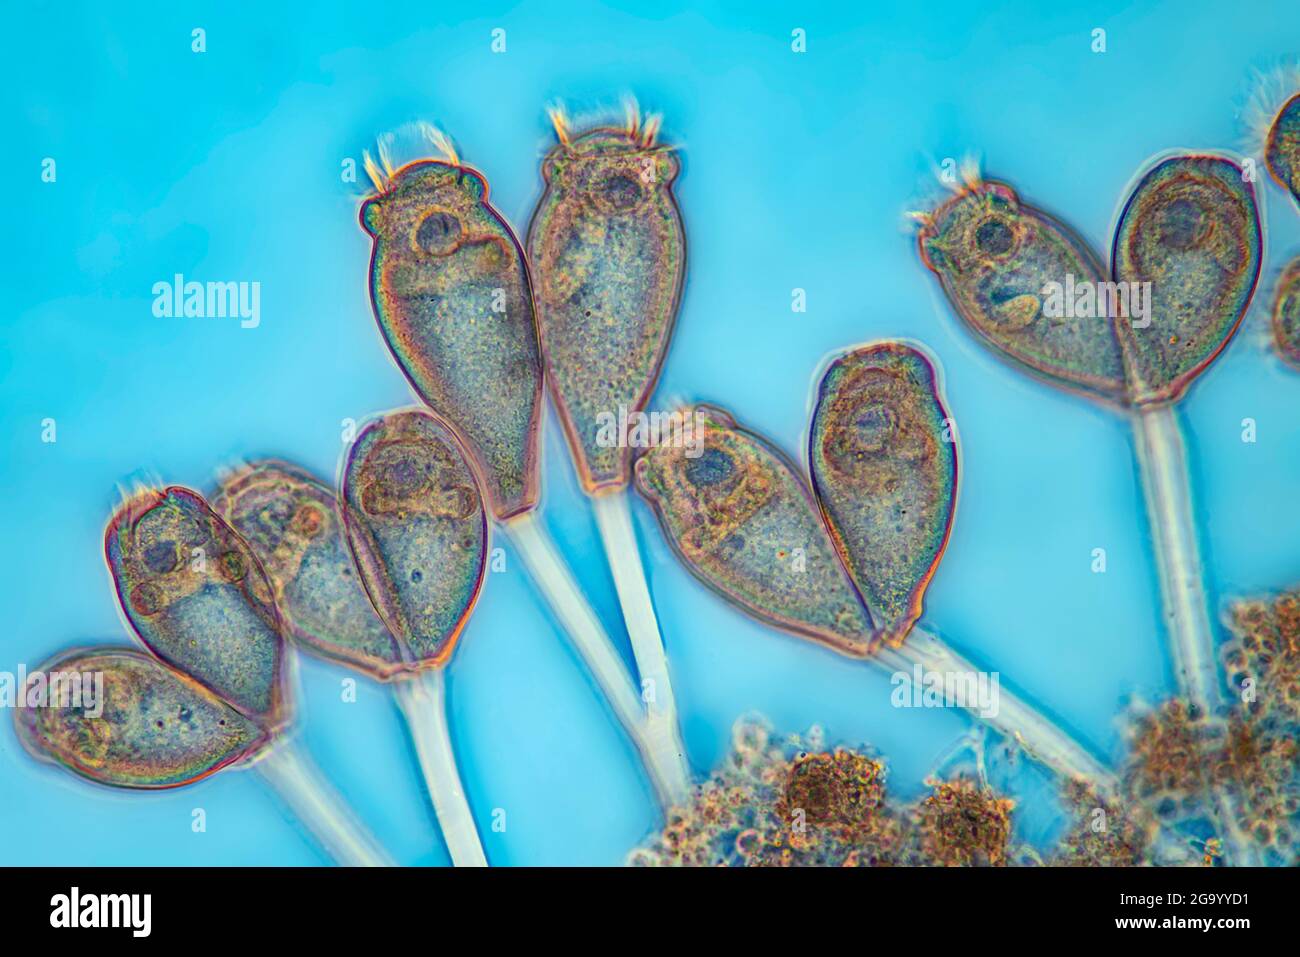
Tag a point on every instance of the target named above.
point(1185, 261)
point(882, 455)
point(1286, 314)
point(1189, 232)
point(197, 597)
point(290, 519)
point(743, 519)
point(421, 536)
point(418, 532)
point(1282, 146)
point(195, 594)
point(118, 716)
point(452, 294)
point(607, 250)
point(998, 260)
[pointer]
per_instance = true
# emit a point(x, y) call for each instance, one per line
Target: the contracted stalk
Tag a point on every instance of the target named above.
point(1037, 734)
point(558, 587)
point(614, 519)
point(423, 701)
point(313, 800)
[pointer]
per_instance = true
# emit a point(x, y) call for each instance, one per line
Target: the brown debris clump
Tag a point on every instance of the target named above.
point(788, 803)
point(962, 824)
point(1166, 769)
point(1103, 833)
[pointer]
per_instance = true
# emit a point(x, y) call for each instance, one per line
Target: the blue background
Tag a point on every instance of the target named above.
point(798, 171)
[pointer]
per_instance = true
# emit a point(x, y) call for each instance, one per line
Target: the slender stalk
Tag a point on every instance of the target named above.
point(1037, 734)
point(313, 800)
point(423, 702)
point(614, 519)
point(585, 631)
point(1162, 464)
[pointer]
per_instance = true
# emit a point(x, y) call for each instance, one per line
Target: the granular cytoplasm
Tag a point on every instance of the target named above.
point(1286, 314)
point(1190, 234)
point(198, 598)
point(883, 457)
point(608, 255)
point(1020, 279)
point(418, 530)
point(291, 520)
point(742, 519)
point(450, 291)
point(132, 722)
